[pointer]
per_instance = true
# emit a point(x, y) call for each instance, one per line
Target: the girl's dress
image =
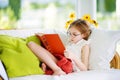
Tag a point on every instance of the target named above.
point(76, 50)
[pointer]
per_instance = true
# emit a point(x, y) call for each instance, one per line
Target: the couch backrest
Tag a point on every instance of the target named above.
point(26, 33)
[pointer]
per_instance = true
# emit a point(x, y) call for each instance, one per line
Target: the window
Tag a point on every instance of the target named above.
point(108, 14)
point(54, 13)
point(45, 13)
point(27, 14)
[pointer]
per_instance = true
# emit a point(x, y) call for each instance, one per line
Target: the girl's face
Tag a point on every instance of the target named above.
point(75, 35)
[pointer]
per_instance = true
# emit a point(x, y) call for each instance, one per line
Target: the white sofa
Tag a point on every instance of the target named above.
point(102, 52)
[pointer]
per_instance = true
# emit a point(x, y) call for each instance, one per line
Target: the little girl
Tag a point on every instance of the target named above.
point(77, 50)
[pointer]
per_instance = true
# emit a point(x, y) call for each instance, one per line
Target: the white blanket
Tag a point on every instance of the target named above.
point(112, 74)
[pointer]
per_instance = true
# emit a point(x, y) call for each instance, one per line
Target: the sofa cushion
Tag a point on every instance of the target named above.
point(103, 46)
point(17, 57)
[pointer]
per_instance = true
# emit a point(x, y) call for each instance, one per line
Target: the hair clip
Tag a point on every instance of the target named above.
point(72, 17)
point(86, 17)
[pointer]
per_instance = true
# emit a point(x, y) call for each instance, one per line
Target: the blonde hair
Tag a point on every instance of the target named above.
point(82, 26)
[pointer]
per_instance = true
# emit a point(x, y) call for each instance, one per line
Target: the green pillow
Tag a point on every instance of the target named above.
point(17, 57)
point(33, 38)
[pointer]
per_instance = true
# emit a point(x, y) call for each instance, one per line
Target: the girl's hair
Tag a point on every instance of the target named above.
point(82, 26)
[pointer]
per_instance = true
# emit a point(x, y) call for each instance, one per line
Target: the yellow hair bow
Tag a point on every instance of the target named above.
point(86, 17)
point(72, 17)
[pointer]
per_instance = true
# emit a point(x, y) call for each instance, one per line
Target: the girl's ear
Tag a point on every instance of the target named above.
point(83, 35)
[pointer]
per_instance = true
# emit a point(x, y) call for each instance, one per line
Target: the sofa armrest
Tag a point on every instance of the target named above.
point(115, 62)
point(3, 74)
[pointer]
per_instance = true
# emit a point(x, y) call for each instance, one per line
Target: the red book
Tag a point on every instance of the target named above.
point(52, 43)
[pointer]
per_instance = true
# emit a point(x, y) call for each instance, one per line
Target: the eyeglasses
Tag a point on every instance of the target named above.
point(74, 34)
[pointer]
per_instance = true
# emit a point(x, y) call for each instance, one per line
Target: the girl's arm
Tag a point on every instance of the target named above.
point(85, 55)
point(83, 64)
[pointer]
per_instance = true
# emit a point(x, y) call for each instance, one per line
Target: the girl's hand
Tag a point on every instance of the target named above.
point(68, 55)
point(39, 34)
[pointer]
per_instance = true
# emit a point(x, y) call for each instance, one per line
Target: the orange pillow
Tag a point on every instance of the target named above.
point(52, 43)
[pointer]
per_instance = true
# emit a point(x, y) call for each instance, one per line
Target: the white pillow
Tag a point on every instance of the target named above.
point(103, 45)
